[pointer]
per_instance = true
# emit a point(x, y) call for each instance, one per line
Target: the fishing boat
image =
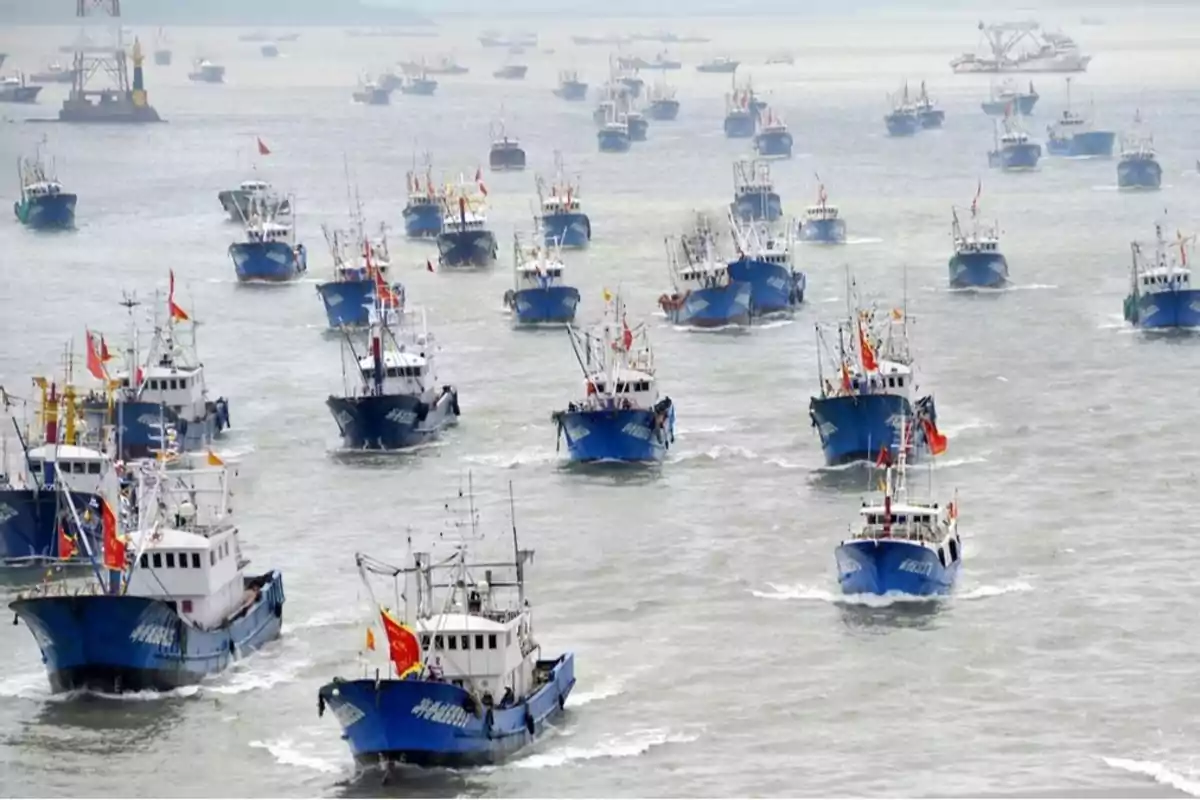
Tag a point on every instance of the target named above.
point(741, 117)
point(821, 221)
point(467, 684)
point(391, 399)
point(609, 39)
point(1008, 100)
point(253, 194)
point(605, 110)
point(621, 417)
point(754, 195)
point(903, 119)
point(703, 295)
point(1021, 47)
point(466, 241)
point(1073, 136)
point(161, 396)
point(1012, 151)
point(1161, 294)
point(764, 260)
point(720, 64)
point(43, 203)
point(570, 87)
point(662, 104)
point(168, 604)
point(901, 546)
point(867, 379)
point(269, 251)
point(511, 72)
point(562, 218)
point(613, 136)
point(205, 71)
point(773, 139)
point(977, 261)
point(446, 65)
point(506, 154)
point(423, 211)
point(1138, 167)
point(14, 89)
point(635, 122)
point(53, 73)
point(421, 85)
point(928, 114)
point(660, 62)
point(370, 93)
point(162, 50)
point(519, 39)
point(539, 295)
point(361, 264)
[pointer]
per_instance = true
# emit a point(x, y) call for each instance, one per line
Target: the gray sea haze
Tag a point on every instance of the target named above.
point(699, 598)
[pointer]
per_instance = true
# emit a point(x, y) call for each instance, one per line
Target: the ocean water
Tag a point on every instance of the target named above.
point(713, 654)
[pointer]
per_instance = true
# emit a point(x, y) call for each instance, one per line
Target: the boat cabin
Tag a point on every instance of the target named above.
point(467, 221)
point(916, 522)
point(632, 388)
point(43, 189)
point(254, 186)
point(616, 127)
point(703, 276)
point(821, 213)
point(505, 144)
point(79, 469)
point(419, 199)
point(403, 372)
point(539, 273)
point(197, 572)
point(891, 378)
point(1012, 138)
point(259, 231)
point(1165, 279)
point(490, 653)
point(180, 388)
point(977, 243)
point(561, 205)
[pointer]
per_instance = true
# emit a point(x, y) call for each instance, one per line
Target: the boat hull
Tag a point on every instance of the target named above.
point(236, 203)
point(1091, 144)
point(572, 91)
point(466, 249)
point(823, 231)
point(548, 306)
point(1139, 174)
point(139, 424)
point(978, 270)
point(628, 435)
point(902, 124)
point(29, 525)
point(758, 206)
point(663, 110)
point(392, 422)
point(1022, 105)
point(773, 145)
point(611, 142)
point(122, 643)
point(420, 88)
point(428, 724)
point(52, 212)
point(1015, 158)
point(348, 304)
point(931, 118)
point(894, 567)
point(509, 160)
point(740, 125)
point(422, 221)
point(273, 262)
point(19, 94)
point(1170, 309)
point(570, 230)
point(713, 307)
point(855, 427)
point(774, 288)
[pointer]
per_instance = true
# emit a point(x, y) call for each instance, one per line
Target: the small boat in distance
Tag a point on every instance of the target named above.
point(570, 87)
point(1008, 100)
point(765, 262)
point(370, 93)
point(613, 136)
point(268, 252)
point(511, 72)
point(719, 65)
point(1012, 150)
point(205, 71)
point(269, 50)
point(14, 89)
point(424, 209)
point(741, 114)
point(562, 219)
point(466, 241)
point(977, 261)
point(359, 283)
point(1073, 136)
point(421, 84)
point(506, 154)
point(754, 195)
point(821, 222)
point(903, 119)
point(43, 203)
point(703, 295)
point(1138, 167)
point(773, 139)
point(1161, 294)
point(162, 50)
point(929, 115)
point(1019, 47)
point(662, 103)
point(53, 73)
point(539, 295)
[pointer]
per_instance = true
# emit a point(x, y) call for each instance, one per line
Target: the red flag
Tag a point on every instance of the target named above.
point(885, 458)
point(95, 363)
point(868, 354)
point(478, 174)
point(846, 377)
point(137, 377)
point(978, 191)
point(114, 547)
point(387, 298)
point(104, 354)
point(403, 646)
point(428, 265)
point(66, 544)
point(626, 335)
point(177, 313)
point(263, 150)
point(935, 439)
point(482, 189)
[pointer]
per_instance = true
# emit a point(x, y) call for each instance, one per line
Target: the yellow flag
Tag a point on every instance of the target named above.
point(213, 460)
point(370, 639)
point(897, 314)
point(607, 296)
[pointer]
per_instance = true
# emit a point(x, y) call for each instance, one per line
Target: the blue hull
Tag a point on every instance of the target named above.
point(715, 307)
point(931, 118)
point(466, 248)
point(978, 270)
point(1139, 174)
point(1016, 157)
point(855, 428)
point(436, 724)
point(392, 422)
point(1091, 144)
point(29, 525)
point(902, 124)
point(663, 110)
point(139, 429)
point(569, 230)
point(122, 643)
point(55, 212)
point(741, 125)
point(773, 145)
point(1023, 105)
point(572, 91)
point(890, 566)
point(422, 222)
point(613, 142)
point(773, 289)
point(630, 435)
point(1178, 309)
point(552, 305)
point(824, 231)
point(347, 303)
point(758, 206)
point(267, 261)
point(638, 129)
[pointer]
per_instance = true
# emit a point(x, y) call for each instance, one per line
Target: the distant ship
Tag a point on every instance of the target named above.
point(703, 295)
point(1008, 100)
point(570, 87)
point(54, 73)
point(821, 222)
point(929, 115)
point(903, 119)
point(466, 241)
point(764, 260)
point(506, 154)
point(254, 193)
point(1013, 150)
point(613, 136)
point(205, 71)
point(1161, 292)
point(1138, 167)
point(754, 195)
point(162, 51)
point(741, 114)
point(1073, 136)
point(14, 89)
point(540, 294)
point(512, 72)
point(359, 286)
point(494, 39)
point(773, 140)
point(268, 251)
point(562, 219)
point(43, 203)
point(420, 84)
point(977, 261)
point(370, 93)
point(720, 64)
point(423, 211)
point(1019, 47)
point(660, 62)
point(609, 39)
point(662, 103)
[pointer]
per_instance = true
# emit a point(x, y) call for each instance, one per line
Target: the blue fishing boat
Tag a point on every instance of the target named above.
point(902, 546)
point(977, 262)
point(928, 114)
point(43, 204)
point(702, 293)
point(1161, 292)
point(255, 193)
point(570, 87)
point(621, 417)
point(773, 139)
point(1073, 136)
point(1007, 100)
point(14, 89)
point(539, 295)
point(821, 222)
point(1138, 167)
point(361, 264)
point(562, 218)
point(902, 120)
point(506, 154)
point(868, 380)
point(741, 120)
point(1013, 151)
point(606, 109)
point(168, 604)
point(613, 137)
point(754, 195)
point(391, 399)
point(636, 123)
point(720, 64)
point(423, 211)
point(268, 252)
point(466, 241)
point(372, 93)
point(662, 104)
point(467, 684)
point(419, 84)
point(160, 399)
point(765, 262)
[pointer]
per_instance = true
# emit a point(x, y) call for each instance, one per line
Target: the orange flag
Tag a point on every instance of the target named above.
point(177, 313)
point(936, 439)
point(403, 646)
point(868, 354)
point(66, 544)
point(114, 547)
point(370, 639)
point(95, 362)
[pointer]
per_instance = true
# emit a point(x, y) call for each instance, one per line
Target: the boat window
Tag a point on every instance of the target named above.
point(508, 639)
point(157, 560)
point(953, 550)
point(452, 641)
point(187, 606)
point(491, 641)
point(94, 468)
point(466, 642)
point(424, 641)
point(35, 464)
point(479, 641)
point(195, 561)
point(437, 643)
point(170, 560)
point(212, 558)
point(183, 561)
point(144, 561)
